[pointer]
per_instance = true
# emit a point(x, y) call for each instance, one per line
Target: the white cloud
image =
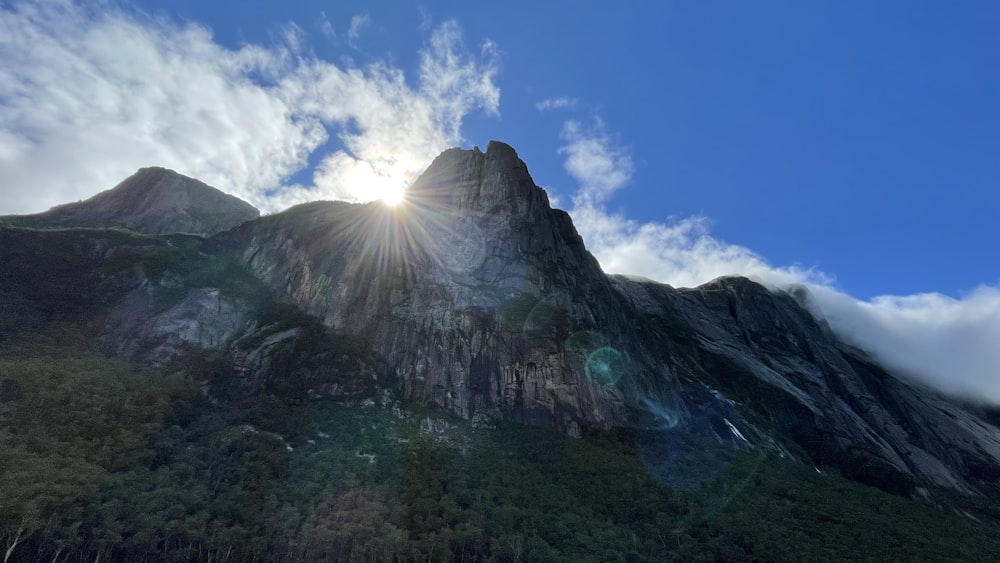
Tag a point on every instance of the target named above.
point(87, 98)
point(682, 253)
point(951, 344)
point(594, 162)
point(358, 23)
point(561, 102)
point(325, 26)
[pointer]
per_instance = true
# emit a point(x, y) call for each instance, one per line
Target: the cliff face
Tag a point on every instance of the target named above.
point(790, 375)
point(478, 297)
point(470, 293)
point(152, 201)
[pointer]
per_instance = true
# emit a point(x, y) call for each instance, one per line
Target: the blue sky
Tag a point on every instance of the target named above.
point(862, 138)
point(853, 147)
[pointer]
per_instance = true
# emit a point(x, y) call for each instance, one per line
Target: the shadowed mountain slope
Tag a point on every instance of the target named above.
point(153, 201)
point(477, 297)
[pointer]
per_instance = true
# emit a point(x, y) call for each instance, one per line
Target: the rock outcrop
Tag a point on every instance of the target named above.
point(141, 329)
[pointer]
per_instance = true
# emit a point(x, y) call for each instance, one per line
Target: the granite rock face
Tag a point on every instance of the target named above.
point(203, 319)
point(151, 201)
point(789, 374)
point(166, 323)
point(478, 297)
point(468, 293)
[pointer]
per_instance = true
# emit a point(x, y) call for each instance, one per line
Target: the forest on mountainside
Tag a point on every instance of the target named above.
point(102, 463)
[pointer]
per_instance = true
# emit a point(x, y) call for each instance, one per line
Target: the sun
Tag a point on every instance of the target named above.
point(393, 195)
point(382, 179)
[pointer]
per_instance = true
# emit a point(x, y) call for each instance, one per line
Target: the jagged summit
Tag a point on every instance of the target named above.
point(154, 200)
point(496, 181)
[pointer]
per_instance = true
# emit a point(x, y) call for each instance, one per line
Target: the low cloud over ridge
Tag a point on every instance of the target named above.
point(950, 344)
point(88, 96)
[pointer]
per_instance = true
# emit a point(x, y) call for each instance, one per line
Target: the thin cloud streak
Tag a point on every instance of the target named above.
point(358, 24)
point(562, 102)
point(86, 98)
point(326, 26)
point(950, 344)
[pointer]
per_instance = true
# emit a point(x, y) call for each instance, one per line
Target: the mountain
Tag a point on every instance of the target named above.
point(152, 201)
point(409, 351)
point(482, 299)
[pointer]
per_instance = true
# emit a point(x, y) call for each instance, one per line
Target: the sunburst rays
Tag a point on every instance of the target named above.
point(395, 239)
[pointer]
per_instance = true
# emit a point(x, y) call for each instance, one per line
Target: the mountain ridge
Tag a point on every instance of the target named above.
point(153, 200)
point(477, 297)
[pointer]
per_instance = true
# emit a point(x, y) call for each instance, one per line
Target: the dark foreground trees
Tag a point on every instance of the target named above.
point(102, 463)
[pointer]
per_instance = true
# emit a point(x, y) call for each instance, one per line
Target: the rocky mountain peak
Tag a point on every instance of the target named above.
point(485, 208)
point(496, 181)
point(154, 200)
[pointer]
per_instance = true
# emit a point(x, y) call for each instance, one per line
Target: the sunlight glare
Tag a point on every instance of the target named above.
point(383, 179)
point(392, 195)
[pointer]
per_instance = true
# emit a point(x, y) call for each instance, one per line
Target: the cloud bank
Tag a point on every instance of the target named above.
point(88, 96)
point(951, 344)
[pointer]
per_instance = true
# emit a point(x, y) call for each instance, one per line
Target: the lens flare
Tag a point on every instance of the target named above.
point(583, 341)
point(687, 436)
point(604, 366)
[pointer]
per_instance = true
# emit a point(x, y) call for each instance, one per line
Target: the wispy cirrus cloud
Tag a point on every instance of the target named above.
point(358, 23)
point(561, 102)
point(87, 96)
point(948, 343)
point(325, 25)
